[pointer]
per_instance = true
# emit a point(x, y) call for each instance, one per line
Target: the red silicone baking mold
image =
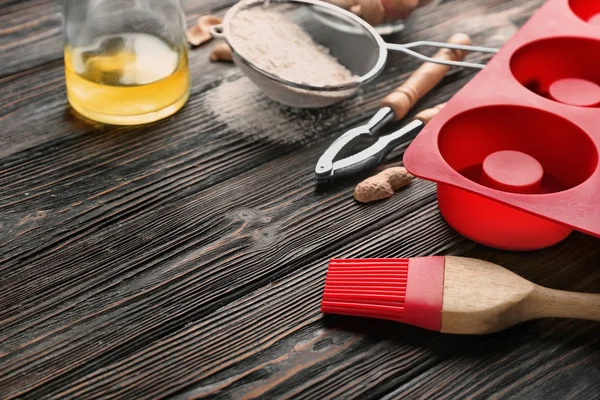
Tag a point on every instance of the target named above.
point(515, 154)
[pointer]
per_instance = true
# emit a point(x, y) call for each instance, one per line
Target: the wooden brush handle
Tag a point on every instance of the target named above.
point(550, 303)
point(481, 297)
point(424, 79)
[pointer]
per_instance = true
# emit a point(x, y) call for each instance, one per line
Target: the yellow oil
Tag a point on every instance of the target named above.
point(127, 79)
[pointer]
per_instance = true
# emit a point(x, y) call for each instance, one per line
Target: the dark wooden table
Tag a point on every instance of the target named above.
point(186, 259)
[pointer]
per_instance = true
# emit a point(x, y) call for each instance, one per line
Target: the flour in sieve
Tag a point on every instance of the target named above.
point(275, 44)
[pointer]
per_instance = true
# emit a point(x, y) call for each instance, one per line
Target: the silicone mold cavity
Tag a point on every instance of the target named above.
point(566, 153)
point(587, 10)
point(515, 153)
point(494, 224)
point(573, 63)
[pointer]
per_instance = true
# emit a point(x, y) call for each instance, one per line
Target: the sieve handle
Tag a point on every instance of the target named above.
point(425, 78)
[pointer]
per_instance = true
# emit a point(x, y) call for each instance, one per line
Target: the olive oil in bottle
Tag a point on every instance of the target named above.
point(127, 79)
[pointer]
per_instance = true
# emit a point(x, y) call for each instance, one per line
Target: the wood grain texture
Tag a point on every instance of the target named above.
point(543, 359)
point(185, 259)
point(31, 31)
point(482, 297)
point(561, 304)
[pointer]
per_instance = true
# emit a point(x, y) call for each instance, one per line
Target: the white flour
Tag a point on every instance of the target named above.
point(243, 107)
point(240, 104)
point(277, 45)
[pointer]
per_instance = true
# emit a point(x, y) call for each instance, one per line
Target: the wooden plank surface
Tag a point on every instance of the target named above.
point(186, 258)
point(31, 30)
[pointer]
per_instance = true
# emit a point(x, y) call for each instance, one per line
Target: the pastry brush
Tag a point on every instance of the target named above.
point(447, 294)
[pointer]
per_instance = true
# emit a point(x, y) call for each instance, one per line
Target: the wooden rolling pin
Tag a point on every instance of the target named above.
point(425, 78)
point(428, 114)
point(397, 104)
point(447, 294)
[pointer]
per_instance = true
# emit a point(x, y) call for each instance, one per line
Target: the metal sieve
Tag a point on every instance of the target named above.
point(351, 40)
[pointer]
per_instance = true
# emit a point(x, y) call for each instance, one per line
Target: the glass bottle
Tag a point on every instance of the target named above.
point(126, 61)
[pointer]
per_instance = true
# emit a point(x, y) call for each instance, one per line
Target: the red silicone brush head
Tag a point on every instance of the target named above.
point(403, 290)
point(366, 288)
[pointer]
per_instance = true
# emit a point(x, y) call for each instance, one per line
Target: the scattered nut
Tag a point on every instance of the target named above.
point(402, 8)
point(382, 185)
point(372, 11)
point(345, 4)
point(376, 12)
point(199, 33)
point(221, 52)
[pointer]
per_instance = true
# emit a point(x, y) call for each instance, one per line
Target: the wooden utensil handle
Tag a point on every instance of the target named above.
point(550, 303)
point(424, 79)
point(428, 114)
